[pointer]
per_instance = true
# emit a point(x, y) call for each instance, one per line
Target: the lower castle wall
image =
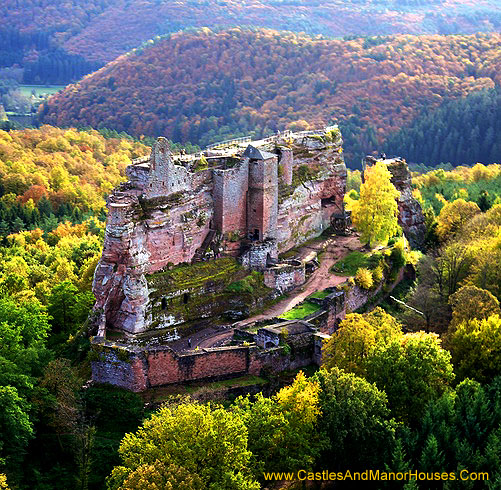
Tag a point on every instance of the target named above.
point(128, 374)
point(147, 369)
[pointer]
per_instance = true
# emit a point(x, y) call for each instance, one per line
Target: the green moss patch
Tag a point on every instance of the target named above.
point(252, 284)
point(204, 290)
point(249, 380)
point(193, 276)
point(304, 173)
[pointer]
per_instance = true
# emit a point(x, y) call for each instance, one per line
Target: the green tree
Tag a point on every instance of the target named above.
point(61, 306)
point(470, 302)
point(476, 348)
point(68, 307)
point(160, 475)
point(451, 267)
point(26, 324)
point(460, 430)
point(283, 433)
point(356, 421)
point(205, 443)
point(375, 214)
point(16, 429)
point(412, 370)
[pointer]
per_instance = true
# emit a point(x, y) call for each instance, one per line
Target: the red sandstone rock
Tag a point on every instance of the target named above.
point(165, 212)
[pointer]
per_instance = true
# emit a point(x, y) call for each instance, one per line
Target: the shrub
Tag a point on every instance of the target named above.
point(363, 278)
point(377, 274)
point(397, 255)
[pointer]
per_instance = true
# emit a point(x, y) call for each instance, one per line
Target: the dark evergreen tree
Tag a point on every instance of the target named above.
point(461, 131)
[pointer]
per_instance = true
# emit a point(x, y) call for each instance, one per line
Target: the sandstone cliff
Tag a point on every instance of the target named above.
point(250, 204)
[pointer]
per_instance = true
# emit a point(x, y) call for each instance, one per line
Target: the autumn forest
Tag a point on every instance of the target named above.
point(205, 87)
point(409, 381)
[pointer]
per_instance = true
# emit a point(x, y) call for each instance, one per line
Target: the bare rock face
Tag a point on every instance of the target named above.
point(317, 192)
point(143, 235)
point(253, 205)
point(410, 214)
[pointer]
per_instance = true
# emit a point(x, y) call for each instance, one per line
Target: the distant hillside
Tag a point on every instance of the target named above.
point(66, 166)
point(70, 37)
point(203, 87)
point(462, 131)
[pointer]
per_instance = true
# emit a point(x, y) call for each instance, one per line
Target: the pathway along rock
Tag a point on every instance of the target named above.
point(334, 249)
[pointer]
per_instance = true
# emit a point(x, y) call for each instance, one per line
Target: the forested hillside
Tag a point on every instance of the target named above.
point(51, 175)
point(47, 41)
point(103, 29)
point(204, 87)
point(460, 131)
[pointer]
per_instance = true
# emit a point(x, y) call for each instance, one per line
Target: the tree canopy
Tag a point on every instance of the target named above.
point(204, 444)
point(375, 214)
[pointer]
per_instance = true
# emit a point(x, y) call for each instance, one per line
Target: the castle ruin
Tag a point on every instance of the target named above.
point(250, 201)
point(193, 239)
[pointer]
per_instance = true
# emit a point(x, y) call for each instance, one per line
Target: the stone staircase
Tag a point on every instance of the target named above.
point(199, 254)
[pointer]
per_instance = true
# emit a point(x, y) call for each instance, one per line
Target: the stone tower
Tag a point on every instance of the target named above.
point(262, 200)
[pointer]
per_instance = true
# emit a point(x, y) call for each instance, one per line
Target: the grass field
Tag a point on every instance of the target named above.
point(26, 90)
point(350, 264)
point(301, 311)
point(320, 294)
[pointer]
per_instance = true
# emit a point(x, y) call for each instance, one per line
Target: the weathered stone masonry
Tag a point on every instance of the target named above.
point(199, 214)
point(252, 203)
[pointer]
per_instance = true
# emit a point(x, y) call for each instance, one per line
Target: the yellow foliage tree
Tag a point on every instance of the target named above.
point(471, 302)
point(3, 482)
point(357, 336)
point(454, 215)
point(363, 278)
point(375, 214)
point(204, 445)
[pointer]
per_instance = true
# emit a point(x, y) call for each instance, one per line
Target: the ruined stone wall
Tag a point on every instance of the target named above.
point(130, 374)
point(163, 214)
point(284, 278)
point(138, 175)
point(276, 360)
point(230, 198)
point(146, 368)
point(256, 256)
point(165, 177)
point(166, 367)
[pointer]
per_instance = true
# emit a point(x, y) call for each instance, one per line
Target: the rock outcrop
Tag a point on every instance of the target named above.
point(250, 202)
point(410, 214)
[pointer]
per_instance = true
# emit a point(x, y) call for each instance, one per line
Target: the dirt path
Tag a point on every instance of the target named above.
point(334, 248)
